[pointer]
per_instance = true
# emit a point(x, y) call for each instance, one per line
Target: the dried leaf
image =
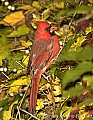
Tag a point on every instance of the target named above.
point(49, 96)
point(74, 114)
point(4, 23)
point(86, 42)
point(14, 18)
point(82, 26)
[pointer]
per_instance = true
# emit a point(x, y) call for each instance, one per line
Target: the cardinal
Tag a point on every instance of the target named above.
point(44, 50)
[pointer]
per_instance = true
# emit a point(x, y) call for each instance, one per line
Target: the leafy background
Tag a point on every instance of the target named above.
point(68, 94)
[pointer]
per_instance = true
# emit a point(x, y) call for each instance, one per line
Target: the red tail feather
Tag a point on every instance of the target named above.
point(33, 94)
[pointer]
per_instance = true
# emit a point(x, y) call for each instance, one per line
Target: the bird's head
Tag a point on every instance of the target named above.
point(44, 30)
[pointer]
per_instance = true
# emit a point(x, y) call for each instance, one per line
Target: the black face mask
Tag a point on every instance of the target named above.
point(48, 29)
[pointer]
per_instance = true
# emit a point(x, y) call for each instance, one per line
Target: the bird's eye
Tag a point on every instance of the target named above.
point(48, 29)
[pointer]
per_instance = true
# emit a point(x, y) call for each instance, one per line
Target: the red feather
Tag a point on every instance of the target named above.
point(44, 49)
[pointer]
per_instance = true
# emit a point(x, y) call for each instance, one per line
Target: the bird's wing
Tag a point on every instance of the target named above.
point(41, 54)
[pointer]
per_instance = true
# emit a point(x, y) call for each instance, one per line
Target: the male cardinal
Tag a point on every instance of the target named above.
point(44, 49)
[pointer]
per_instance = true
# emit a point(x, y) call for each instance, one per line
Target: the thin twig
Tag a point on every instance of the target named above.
point(20, 64)
point(74, 15)
point(29, 114)
point(18, 113)
point(5, 75)
point(70, 24)
point(20, 103)
point(1, 16)
point(87, 17)
point(24, 95)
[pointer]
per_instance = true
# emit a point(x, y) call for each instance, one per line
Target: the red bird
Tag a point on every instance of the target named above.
point(44, 49)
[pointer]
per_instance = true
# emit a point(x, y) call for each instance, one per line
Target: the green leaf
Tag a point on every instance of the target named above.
point(68, 45)
point(79, 10)
point(15, 59)
point(1, 112)
point(5, 31)
point(17, 56)
point(73, 75)
point(52, 67)
point(4, 53)
point(85, 54)
point(68, 56)
point(22, 30)
point(64, 51)
point(89, 118)
point(75, 91)
point(89, 80)
point(60, 74)
point(69, 1)
point(4, 102)
point(3, 40)
point(86, 102)
point(91, 1)
point(36, 4)
point(84, 9)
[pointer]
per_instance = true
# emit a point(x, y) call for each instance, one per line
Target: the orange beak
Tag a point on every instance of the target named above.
point(53, 29)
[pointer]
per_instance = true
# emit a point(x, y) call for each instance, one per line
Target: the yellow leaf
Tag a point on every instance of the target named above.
point(4, 23)
point(89, 29)
point(26, 43)
point(45, 14)
point(62, 4)
point(79, 41)
point(7, 114)
point(82, 113)
point(39, 104)
point(14, 87)
point(22, 119)
point(14, 18)
point(42, 115)
point(25, 7)
point(57, 81)
point(36, 17)
point(58, 99)
point(47, 85)
point(44, 87)
point(25, 60)
point(57, 90)
point(36, 4)
point(19, 71)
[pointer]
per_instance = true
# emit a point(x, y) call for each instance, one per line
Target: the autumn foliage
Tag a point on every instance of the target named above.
point(66, 88)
